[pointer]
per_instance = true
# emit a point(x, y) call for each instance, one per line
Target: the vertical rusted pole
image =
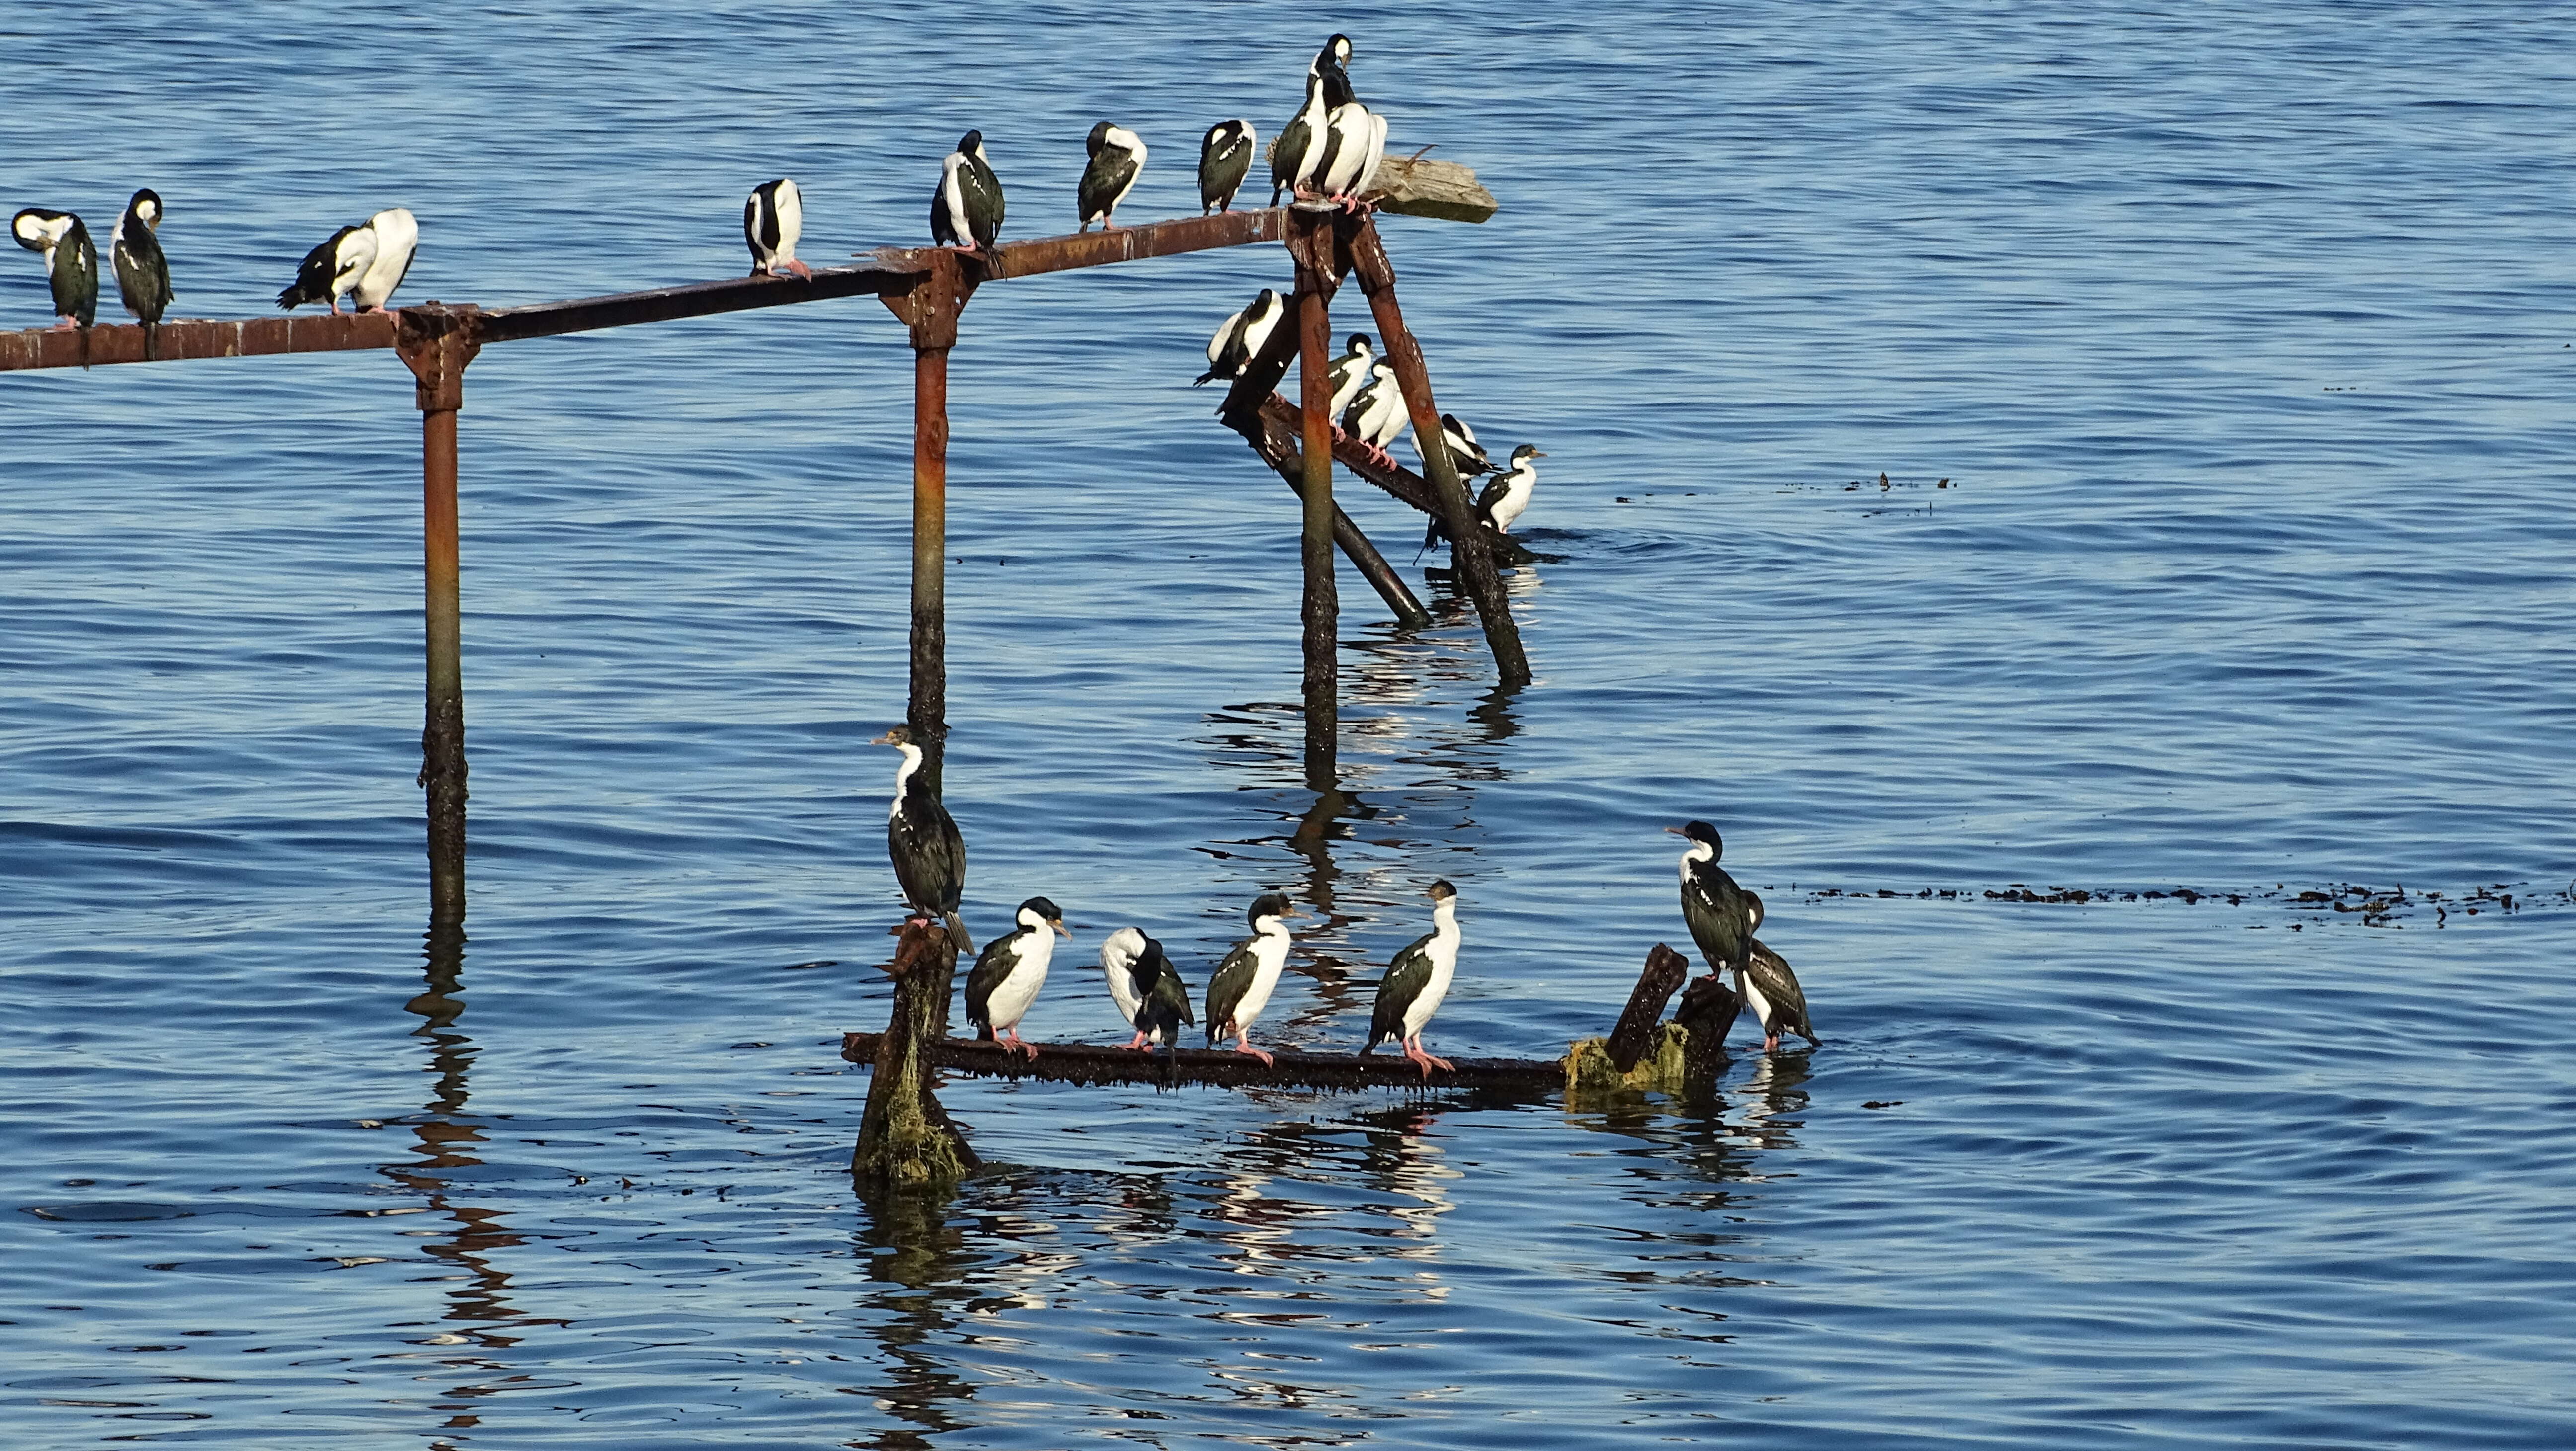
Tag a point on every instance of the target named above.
point(436, 342)
point(1310, 242)
point(1466, 537)
point(931, 309)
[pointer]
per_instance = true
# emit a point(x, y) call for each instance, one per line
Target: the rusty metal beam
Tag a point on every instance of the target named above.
point(1281, 421)
point(887, 272)
point(196, 338)
point(1040, 255)
point(1095, 1063)
point(1310, 242)
point(1278, 448)
point(1467, 549)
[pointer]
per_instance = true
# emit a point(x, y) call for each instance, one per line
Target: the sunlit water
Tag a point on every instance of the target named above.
point(2241, 336)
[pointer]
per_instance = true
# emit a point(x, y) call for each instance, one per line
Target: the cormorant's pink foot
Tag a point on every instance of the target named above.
point(803, 272)
point(1242, 1045)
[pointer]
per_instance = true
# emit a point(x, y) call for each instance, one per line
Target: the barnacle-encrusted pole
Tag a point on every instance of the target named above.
point(906, 1140)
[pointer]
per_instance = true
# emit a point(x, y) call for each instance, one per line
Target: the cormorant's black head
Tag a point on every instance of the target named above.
point(1359, 343)
point(1045, 911)
point(145, 207)
point(1099, 136)
point(899, 736)
point(1336, 52)
point(1524, 454)
point(972, 143)
point(1698, 831)
point(1441, 891)
point(1152, 957)
point(1269, 904)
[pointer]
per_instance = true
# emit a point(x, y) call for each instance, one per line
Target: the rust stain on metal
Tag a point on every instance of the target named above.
point(184, 338)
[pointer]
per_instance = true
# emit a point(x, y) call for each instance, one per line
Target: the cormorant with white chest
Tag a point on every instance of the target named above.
point(1117, 159)
point(773, 219)
point(71, 262)
point(1350, 372)
point(397, 234)
point(1376, 415)
point(1416, 982)
point(1767, 987)
point(929, 856)
point(1354, 144)
point(1146, 987)
point(1722, 915)
point(142, 272)
point(967, 210)
point(1243, 982)
point(1239, 339)
point(1301, 145)
point(1503, 499)
point(1007, 977)
point(1225, 159)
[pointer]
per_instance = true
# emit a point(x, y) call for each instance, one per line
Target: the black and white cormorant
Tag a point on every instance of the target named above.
point(397, 234)
point(331, 269)
point(1243, 982)
point(1350, 372)
point(1332, 65)
point(967, 210)
point(773, 218)
point(1117, 159)
point(142, 273)
point(1007, 977)
point(1146, 987)
point(1225, 158)
point(1375, 416)
point(1722, 915)
point(1354, 142)
point(1416, 982)
point(1770, 990)
point(1503, 499)
point(1239, 339)
point(1466, 455)
point(929, 856)
point(71, 261)
point(1301, 145)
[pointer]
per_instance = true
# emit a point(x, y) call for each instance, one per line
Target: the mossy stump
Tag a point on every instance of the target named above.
point(906, 1139)
point(1589, 1068)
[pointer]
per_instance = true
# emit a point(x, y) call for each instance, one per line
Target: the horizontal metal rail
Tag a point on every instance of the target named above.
point(889, 272)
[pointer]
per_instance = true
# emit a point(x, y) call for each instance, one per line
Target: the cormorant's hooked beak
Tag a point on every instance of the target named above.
point(1061, 928)
point(888, 739)
point(1676, 831)
point(1538, 453)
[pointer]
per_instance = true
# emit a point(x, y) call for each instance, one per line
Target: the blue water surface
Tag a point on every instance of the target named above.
point(1992, 452)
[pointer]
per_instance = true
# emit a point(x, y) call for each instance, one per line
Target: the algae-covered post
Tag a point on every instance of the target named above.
point(436, 342)
point(906, 1139)
point(1635, 1032)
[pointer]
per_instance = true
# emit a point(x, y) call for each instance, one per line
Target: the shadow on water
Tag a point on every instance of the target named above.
point(445, 1139)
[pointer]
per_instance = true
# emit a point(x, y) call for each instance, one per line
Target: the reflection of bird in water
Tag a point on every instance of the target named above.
point(1244, 980)
point(1771, 991)
point(1146, 987)
point(929, 856)
point(1416, 982)
point(1403, 1155)
point(1007, 977)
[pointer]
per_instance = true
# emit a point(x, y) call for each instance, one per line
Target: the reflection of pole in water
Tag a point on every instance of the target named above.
point(1773, 1096)
point(477, 1298)
point(907, 1244)
point(1402, 1158)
